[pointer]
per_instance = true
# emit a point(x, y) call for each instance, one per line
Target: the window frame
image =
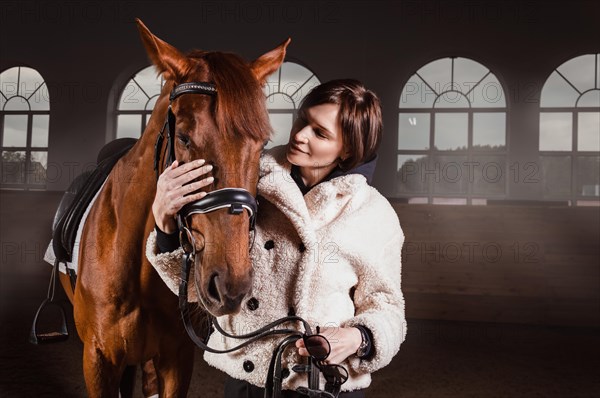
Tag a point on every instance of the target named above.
point(469, 197)
point(574, 155)
point(28, 148)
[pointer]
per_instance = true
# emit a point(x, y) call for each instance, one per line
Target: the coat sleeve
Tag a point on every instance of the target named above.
point(379, 305)
point(168, 267)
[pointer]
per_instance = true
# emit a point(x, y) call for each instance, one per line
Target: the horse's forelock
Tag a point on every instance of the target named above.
point(241, 107)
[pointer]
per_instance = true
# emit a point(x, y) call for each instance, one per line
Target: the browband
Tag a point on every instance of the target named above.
point(193, 88)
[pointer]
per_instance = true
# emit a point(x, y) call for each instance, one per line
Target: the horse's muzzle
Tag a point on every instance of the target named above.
point(225, 294)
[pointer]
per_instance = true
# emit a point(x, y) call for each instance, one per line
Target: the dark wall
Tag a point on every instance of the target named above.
point(88, 50)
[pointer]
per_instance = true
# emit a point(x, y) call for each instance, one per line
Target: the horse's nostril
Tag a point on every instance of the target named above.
point(213, 290)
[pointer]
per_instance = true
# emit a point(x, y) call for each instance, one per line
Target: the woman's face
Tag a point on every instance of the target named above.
point(316, 139)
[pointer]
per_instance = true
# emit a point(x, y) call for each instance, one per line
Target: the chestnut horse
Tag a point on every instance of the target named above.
point(124, 313)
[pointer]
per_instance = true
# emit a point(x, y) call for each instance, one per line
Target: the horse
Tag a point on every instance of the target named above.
point(124, 313)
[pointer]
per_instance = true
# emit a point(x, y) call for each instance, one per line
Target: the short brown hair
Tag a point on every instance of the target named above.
point(359, 117)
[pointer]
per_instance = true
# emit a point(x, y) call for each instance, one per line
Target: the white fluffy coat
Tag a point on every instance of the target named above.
point(349, 273)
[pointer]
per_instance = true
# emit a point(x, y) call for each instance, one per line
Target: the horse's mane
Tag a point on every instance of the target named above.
point(240, 106)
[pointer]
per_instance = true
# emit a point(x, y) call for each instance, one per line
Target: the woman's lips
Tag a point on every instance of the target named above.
point(297, 149)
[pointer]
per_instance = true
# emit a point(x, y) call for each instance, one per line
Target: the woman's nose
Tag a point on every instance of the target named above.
point(302, 135)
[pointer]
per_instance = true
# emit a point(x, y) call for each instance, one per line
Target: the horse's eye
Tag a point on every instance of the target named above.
point(184, 139)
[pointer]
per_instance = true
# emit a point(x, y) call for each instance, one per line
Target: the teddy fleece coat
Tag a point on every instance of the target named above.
point(331, 257)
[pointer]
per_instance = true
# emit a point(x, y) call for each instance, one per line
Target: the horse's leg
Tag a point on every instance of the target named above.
point(174, 367)
point(102, 374)
point(149, 379)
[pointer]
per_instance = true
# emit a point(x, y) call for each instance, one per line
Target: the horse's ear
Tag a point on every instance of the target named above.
point(165, 57)
point(268, 63)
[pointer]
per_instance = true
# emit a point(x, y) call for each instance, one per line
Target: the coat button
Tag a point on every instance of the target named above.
point(252, 304)
point(285, 373)
point(302, 248)
point(248, 366)
point(269, 244)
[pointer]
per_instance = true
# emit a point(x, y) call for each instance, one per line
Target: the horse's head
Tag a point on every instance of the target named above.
point(228, 130)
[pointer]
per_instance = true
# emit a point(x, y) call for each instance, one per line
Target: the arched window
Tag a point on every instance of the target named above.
point(285, 90)
point(570, 131)
point(24, 121)
point(452, 135)
point(137, 101)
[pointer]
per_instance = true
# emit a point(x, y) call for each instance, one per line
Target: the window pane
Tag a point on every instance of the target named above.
point(449, 174)
point(9, 79)
point(282, 125)
point(557, 92)
point(416, 94)
point(129, 126)
point(309, 85)
point(294, 81)
point(151, 103)
point(579, 71)
point(438, 74)
point(488, 174)
point(149, 80)
point(488, 94)
point(591, 98)
point(556, 175)
point(29, 81)
point(17, 104)
point(132, 98)
point(588, 176)
point(489, 130)
point(413, 131)
point(15, 131)
point(452, 99)
point(588, 131)
point(13, 167)
point(38, 164)
point(410, 175)
point(272, 83)
point(555, 131)
point(449, 201)
point(40, 100)
point(450, 131)
point(280, 101)
point(293, 74)
point(39, 130)
point(467, 73)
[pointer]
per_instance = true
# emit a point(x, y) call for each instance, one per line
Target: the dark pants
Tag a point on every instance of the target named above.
point(235, 388)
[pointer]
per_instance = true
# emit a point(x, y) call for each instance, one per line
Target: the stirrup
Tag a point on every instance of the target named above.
point(36, 337)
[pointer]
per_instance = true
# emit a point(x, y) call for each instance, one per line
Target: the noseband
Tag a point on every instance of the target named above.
point(236, 199)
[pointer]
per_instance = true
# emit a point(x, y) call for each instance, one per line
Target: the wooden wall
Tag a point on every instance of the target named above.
point(517, 264)
point(522, 264)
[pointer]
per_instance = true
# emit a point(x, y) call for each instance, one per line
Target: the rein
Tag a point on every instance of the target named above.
point(236, 200)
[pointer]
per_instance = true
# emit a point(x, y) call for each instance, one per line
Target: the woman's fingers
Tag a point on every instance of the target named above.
point(301, 348)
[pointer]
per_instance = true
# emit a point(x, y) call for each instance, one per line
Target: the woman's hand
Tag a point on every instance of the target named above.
point(344, 342)
point(174, 190)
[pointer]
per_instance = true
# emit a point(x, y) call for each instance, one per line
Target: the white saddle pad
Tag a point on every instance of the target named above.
point(50, 257)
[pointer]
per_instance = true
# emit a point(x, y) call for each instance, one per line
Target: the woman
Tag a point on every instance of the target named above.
point(327, 245)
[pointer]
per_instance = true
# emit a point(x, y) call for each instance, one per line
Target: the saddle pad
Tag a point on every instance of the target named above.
point(50, 257)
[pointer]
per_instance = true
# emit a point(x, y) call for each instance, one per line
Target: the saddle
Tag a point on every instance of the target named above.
point(66, 221)
point(78, 196)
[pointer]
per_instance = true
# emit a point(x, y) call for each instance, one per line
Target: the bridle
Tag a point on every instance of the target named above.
point(236, 200)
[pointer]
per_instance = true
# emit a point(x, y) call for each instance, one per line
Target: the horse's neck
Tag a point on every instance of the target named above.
point(133, 181)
